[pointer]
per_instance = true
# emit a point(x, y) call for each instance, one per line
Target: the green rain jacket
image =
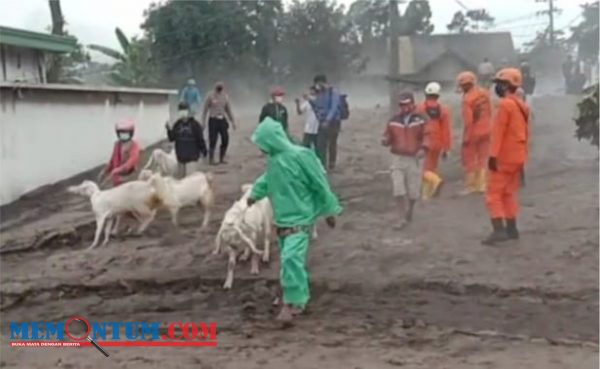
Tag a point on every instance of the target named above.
point(294, 181)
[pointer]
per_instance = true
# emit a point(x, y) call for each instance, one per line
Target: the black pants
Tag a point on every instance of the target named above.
point(327, 143)
point(309, 140)
point(217, 127)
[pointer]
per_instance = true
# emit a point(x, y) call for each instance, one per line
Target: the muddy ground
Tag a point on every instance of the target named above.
point(427, 297)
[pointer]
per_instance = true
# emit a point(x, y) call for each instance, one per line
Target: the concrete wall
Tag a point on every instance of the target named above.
point(48, 134)
point(21, 64)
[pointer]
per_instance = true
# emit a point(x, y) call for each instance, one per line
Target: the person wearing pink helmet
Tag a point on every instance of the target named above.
point(125, 155)
point(275, 109)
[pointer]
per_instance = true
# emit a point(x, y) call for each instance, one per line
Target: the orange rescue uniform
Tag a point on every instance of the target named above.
point(439, 133)
point(509, 145)
point(477, 112)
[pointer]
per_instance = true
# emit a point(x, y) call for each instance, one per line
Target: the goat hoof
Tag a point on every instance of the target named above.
point(254, 272)
point(265, 259)
point(215, 252)
point(227, 286)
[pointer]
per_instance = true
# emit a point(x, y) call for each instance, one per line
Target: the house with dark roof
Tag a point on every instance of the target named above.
point(425, 58)
point(23, 53)
point(441, 57)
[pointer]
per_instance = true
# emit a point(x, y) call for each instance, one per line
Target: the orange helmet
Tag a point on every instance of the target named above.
point(511, 75)
point(465, 78)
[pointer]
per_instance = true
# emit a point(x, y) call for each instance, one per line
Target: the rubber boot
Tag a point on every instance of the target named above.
point(511, 229)
point(481, 180)
point(498, 234)
point(470, 179)
point(426, 187)
point(436, 184)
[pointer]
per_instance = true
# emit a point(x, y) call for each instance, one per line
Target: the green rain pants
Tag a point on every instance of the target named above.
point(293, 276)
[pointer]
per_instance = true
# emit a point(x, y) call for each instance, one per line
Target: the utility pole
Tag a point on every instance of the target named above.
point(394, 62)
point(550, 12)
point(551, 15)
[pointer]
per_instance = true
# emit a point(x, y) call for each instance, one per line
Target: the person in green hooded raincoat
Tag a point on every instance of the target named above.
point(296, 184)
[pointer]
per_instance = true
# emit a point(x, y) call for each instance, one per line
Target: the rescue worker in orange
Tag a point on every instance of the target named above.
point(476, 112)
point(439, 133)
point(508, 154)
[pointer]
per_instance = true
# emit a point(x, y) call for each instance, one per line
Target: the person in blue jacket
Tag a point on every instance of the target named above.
point(327, 110)
point(190, 95)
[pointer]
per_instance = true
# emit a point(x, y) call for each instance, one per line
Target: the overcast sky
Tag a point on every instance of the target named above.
point(94, 21)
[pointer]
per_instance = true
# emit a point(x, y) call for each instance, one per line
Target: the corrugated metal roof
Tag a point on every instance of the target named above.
point(36, 40)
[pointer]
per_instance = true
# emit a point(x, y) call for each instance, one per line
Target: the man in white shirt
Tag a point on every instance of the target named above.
point(311, 127)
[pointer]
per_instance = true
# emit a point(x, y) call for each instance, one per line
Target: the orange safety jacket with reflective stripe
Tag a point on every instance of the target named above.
point(438, 126)
point(510, 131)
point(477, 114)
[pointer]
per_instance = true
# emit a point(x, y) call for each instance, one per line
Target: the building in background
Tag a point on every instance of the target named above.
point(23, 54)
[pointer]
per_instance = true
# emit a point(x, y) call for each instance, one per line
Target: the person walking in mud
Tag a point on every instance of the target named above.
point(486, 73)
point(477, 113)
point(217, 107)
point(190, 94)
point(296, 185)
point(189, 140)
point(311, 125)
point(406, 137)
point(508, 154)
point(125, 156)
point(275, 109)
point(328, 111)
point(439, 132)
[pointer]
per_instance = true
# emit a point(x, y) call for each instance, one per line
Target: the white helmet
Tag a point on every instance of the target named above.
point(433, 88)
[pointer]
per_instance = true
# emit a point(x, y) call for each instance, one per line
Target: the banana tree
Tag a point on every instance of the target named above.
point(134, 66)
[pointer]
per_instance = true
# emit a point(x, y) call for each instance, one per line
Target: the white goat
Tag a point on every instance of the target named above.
point(240, 230)
point(136, 197)
point(166, 162)
point(195, 189)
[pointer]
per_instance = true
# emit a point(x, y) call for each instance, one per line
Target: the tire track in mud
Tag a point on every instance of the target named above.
point(522, 312)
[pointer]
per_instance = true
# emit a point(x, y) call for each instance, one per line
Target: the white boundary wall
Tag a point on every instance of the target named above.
point(52, 132)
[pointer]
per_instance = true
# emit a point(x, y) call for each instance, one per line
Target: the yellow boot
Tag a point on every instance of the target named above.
point(470, 183)
point(434, 182)
point(481, 182)
point(425, 188)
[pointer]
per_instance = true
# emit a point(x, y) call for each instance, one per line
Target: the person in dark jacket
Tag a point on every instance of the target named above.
point(189, 140)
point(275, 109)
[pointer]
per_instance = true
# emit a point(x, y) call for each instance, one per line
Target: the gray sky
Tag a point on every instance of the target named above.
point(94, 21)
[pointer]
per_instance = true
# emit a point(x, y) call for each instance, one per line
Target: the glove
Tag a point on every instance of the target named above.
point(492, 164)
point(330, 221)
point(250, 201)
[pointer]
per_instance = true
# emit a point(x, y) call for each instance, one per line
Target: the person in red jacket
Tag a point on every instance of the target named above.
point(477, 113)
point(125, 155)
point(508, 154)
point(439, 133)
point(406, 137)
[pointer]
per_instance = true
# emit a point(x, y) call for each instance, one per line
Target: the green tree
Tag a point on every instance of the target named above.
point(208, 38)
point(318, 39)
point(585, 34)
point(370, 18)
point(134, 65)
point(472, 21)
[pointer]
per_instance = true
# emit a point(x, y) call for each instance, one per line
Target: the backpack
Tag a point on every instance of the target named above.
point(344, 107)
